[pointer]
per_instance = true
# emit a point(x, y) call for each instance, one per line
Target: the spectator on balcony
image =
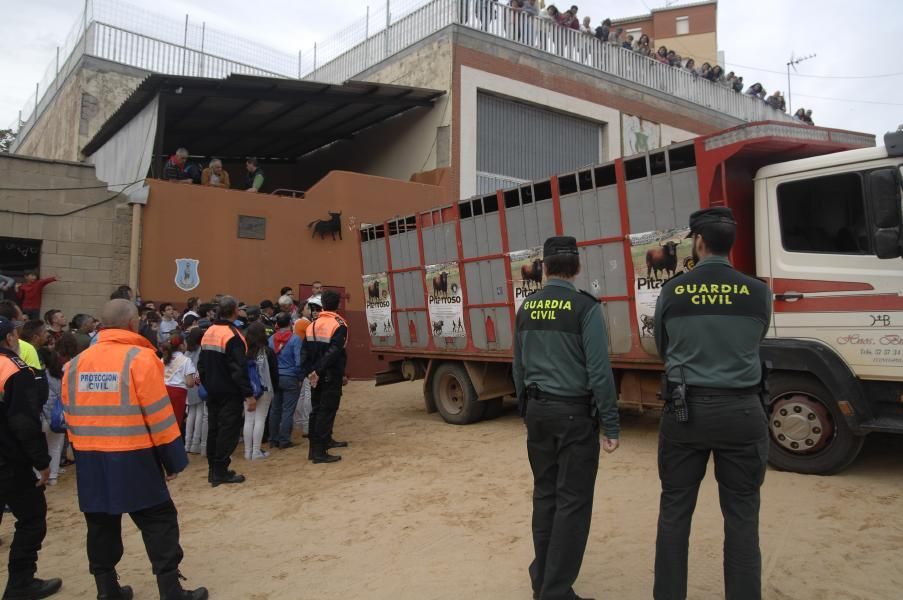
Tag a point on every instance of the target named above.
point(587, 27)
point(603, 30)
point(531, 8)
point(174, 170)
point(808, 118)
point(738, 85)
point(705, 71)
point(642, 44)
point(628, 43)
point(569, 19)
point(551, 13)
point(215, 175)
point(729, 80)
point(691, 66)
point(800, 115)
point(716, 75)
point(255, 175)
point(674, 59)
point(776, 101)
point(755, 90)
point(662, 55)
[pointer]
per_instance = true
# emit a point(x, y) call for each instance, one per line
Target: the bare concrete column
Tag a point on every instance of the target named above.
point(135, 246)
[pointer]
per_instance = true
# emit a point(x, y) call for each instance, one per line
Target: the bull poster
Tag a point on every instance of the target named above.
point(526, 274)
point(657, 257)
point(378, 305)
point(446, 304)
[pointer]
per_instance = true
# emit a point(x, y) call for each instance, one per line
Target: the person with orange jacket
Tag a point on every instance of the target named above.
point(223, 366)
point(23, 451)
point(323, 361)
point(127, 445)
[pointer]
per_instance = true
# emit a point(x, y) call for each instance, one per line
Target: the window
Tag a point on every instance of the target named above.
point(635, 168)
point(824, 215)
point(683, 157)
point(683, 25)
point(17, 257)
point(636, 33)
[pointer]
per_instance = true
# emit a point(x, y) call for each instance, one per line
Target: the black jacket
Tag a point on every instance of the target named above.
point(272, 361)
point(223, 362)
point(22, 443)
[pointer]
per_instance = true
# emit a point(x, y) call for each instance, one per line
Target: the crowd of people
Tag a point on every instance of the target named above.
point(609, 33)
point(198, 380)
point(179, 169)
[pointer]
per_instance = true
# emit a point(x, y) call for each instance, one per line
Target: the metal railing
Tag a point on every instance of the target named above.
point(120, 32)
point(549, 37)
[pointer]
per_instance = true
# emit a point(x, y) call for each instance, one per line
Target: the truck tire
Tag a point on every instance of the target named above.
point(808, 433)
point(494, 409)
point(455, 396)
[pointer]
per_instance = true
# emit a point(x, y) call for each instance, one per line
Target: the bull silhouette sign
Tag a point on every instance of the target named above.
point(324, 227)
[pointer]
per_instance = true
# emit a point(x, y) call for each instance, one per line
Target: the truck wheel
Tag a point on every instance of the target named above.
point(455, 396)
point(808, 432)
point(494, 409)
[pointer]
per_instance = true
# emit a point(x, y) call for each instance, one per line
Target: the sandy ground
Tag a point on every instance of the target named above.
point(421, 509)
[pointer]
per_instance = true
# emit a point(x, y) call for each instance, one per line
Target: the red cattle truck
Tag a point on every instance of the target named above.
point(819, 219)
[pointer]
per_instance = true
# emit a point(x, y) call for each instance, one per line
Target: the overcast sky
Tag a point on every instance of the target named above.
point(853, 40)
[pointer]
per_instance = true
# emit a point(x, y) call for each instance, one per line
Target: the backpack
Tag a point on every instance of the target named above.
point(57, 416)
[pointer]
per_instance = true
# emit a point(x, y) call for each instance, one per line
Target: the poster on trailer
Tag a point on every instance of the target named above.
point(379, 305)
point(657, 257)
point(526, 274)
point(446, 304)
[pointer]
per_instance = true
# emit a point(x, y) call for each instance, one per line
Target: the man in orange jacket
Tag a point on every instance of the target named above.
point(127, 445)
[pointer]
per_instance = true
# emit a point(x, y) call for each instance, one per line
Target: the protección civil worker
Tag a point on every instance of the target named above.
point(566, 392)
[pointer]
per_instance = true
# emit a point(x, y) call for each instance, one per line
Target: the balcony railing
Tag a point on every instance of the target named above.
point(119, 32)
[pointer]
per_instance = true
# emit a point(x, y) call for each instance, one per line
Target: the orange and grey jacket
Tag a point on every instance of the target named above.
point(223, 362)
point(22, 443)
point(324, 347)
point(121, 424)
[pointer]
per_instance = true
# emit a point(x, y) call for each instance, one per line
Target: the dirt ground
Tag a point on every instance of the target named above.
point(421, 509)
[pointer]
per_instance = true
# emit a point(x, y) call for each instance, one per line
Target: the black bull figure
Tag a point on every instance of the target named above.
point(332, 225)
point(662, 259)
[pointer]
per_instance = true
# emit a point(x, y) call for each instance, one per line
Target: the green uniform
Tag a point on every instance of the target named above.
point(705, 320)
point(562, 372)
point(562, 346)
point(708, 327)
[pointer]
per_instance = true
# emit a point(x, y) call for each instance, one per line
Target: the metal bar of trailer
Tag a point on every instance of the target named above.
point(391, 280)
point(506, 249)
point(460, 244)
point(621, 183)
point(600, 241)
point(426, 294)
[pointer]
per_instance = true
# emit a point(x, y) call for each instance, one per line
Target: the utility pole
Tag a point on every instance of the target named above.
point(792, 63)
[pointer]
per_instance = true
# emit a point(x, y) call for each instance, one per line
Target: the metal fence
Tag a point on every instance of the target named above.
point(121, 32)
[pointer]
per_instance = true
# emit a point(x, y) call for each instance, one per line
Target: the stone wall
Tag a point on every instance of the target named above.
point(88, 250)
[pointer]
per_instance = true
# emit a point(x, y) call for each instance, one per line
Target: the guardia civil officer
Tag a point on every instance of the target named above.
point(708, 326)
point(566, 392)
point(23, 451)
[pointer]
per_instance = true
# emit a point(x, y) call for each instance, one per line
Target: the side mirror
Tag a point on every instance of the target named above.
point(887, 212)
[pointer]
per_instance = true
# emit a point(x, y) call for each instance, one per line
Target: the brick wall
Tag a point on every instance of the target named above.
point(89, 250)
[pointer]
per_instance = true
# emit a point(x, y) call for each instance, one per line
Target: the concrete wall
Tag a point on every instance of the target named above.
point(701, 43)
point(410, 143)
point(89, 250)
point(86, 99)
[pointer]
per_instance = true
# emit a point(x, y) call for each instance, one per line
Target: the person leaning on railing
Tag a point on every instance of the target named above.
point(215, 176)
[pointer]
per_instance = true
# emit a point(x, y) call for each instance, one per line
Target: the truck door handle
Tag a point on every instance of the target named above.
point(788, 296)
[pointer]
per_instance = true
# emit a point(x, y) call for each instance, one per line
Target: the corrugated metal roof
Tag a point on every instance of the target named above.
point(246, 115)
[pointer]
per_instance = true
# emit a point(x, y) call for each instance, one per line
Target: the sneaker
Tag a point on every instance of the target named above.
point(259, 455)
point(61, 472)
point(52, 481)
point(248, 456)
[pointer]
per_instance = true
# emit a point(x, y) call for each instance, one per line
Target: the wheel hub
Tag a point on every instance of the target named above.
point(453, 395)
point(801, 423)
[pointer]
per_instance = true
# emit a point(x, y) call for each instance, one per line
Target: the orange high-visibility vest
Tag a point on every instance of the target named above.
point(114, 397)
point(325, 326)
point(217, 336)
point(8, 368)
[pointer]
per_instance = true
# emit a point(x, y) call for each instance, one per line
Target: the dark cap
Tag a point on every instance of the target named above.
point(266, 304)
point(6, 327)
point(720, 215)
point(556, 246)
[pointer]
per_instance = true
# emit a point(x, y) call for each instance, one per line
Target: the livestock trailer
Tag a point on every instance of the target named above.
point(819, 219)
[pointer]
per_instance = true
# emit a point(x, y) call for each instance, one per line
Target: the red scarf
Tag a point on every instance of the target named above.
point(281, 338)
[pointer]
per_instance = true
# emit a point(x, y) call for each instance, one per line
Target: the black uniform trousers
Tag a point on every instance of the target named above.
point(224, 418)
point(324, 404)
point(159, 526)
point(735, 430)
point(563, 447)
point(29, 507)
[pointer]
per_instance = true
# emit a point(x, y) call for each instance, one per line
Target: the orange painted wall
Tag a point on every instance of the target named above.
point(182, 221)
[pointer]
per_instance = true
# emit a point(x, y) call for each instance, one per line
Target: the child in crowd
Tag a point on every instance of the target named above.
point(30, 292)
point(263, 360)
point(179, 374)
point(196, 429)
point(53, 363)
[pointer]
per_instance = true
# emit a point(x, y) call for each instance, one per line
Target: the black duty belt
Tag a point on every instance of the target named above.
point(695, 390)
point(581, 400)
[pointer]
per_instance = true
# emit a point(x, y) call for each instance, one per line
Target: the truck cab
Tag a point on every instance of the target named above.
point(827, 240)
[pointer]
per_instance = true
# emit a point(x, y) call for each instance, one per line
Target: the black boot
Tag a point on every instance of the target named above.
point(322, 456)
point(37, 589)
point(108, 587)
point(335, 444)
point(171, 588)
point(225, 476)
